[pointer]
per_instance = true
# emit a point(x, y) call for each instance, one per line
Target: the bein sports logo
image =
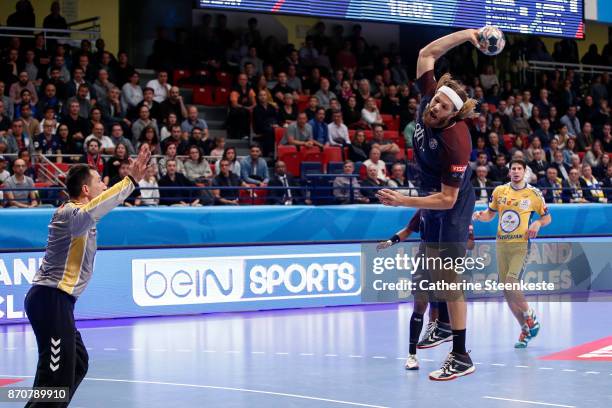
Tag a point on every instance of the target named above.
point(184, 281)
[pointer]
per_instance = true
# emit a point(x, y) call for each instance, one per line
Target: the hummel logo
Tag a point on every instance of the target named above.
point(55, 354)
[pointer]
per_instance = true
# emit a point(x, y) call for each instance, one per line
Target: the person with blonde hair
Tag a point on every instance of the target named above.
point(442, 147)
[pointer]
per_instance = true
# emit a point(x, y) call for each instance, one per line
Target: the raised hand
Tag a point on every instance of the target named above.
point(138, 167)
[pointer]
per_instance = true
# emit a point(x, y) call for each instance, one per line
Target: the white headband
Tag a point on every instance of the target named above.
point(453, 96)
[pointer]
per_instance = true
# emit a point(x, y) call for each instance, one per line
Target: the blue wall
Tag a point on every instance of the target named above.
point(26, 229)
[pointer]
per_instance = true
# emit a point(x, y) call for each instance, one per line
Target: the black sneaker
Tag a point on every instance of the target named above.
point(436, 334)
point(455, 366)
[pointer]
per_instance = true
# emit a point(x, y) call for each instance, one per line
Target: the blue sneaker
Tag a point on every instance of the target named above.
point(524, 339)
point(532, 323)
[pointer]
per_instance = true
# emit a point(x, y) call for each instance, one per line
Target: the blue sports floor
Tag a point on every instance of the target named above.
point(328, 357)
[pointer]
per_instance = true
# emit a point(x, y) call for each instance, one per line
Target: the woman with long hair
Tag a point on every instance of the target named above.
point(170, 154)
point(230, 155)
point(149, 136)
point(111, 167)
point(196, 168)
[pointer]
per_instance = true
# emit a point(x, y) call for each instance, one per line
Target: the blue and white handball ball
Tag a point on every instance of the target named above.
point(491, 39)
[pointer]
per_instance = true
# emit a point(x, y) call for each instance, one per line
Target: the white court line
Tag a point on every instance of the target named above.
point(110, 349)
point(380, 357)
point(214, 387)
point(352, 356)
point(335, 355)
point(592, 372)
point(282, 353)
point(258, 352)
point(498, 364)
point(529, 402)
point(568, 370)
point(545, 368)
point(521, 366)
point(306, 354)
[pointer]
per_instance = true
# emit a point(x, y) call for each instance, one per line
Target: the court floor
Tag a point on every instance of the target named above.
point(330, 357)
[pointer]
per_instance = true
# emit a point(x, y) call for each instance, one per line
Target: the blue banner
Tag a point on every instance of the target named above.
point(28, 228)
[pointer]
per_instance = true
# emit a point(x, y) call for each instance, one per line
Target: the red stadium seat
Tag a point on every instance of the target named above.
point(302, 102)
point(203, 96)
point(289, 155)
point(390, 122)
point(180, 74)
point(279, 132)
point(363, 172)
point(225, 79)
point(492, 108)
point(252, 197)
point(212, 167)
point(312, 154)
point(221, 96)
point(332, 154)
point(378, 103)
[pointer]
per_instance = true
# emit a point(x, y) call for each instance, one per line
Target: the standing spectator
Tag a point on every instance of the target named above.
point(319, 128)
point(574, 187)
point(197, 168)
point(370, 114)
point(149, 189)
point(193, 121)
point(174, 103)
point(131, 93)
point(590, 186)
point(170, 154)
point(241, 103)
point(226, 178)
point(344, 184)
point(55, 20)
point(176, 196)
point(22, 84)
point(552, 187)
point(286, 195)
point(253, 169)
point(230, 156)
point(337, 131)
point(584, 141)
point(19, 188)
point(482, 185)
point(265, 121)
point(372, 183)
point(160, 86)
point(399, 181)
point(571, 121)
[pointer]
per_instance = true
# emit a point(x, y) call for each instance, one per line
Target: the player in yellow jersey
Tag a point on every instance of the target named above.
point(516, 202)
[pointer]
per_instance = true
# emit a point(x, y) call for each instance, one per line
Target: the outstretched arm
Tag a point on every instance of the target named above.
point(434, 50)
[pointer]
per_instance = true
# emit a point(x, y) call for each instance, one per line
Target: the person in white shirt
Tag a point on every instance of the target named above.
point(398, 179)
point(370, 113)
point(337, 131)
point(160, 86)
point(131, 93)
point(526, 104)
point(107, 145)
point(374, 160)
point(149, 191)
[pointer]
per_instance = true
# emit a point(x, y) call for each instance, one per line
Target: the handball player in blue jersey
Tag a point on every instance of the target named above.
point(442, 146)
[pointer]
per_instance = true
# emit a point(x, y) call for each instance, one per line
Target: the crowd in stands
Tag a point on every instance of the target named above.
point(62, 105)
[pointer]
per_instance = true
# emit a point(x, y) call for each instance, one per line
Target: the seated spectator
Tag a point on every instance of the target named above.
point(313, 106)
point(112, 165)
point(482, 185)
point(293, 80)
point(571, 121)
point(594, 155)
point(219, 149)
point(193, 121)
point(30, 123)
point(570, 151)
point(24, 83)
point(131, 93)
point(560, 166)
point(18, 139)
point(5, 121)
point(282, 89)
point(112, 111)
point(544, 133)
point(170, 154)
point(562, 136)
point(160, 86)
point(606, 138)
point(102, 86)
point(18, 188)
point(176, 197)
point(337, 131)
point(344, 184)
point(334, 105)
point(85, 104)
point(574, 187)
point(518, 122)
point(480, 128)
point(550, 151)
point(230, 155)
point(359, 150)
point(480, 148)
point(552, 187)
point(497, 126)
point(499, 172)
point(174, 103)
point(399, 181)
point(149, 137)
point(253, 169)
point(495, 146)
point(197, 168)
point(149, 189)
point(370, 114)
point(197, 139)
point(148, 101)
point(324, 94)
point(265, 120)
point(345, 92)
point(78, 126)
point(320, 133)
point(351, 115)
point(97, 132)
point(584, 140)
point(538, 164)
point(47, 143)
point(226, 178)
point(481, 160)
point(123, 172)
point(288, 111)
point(607, 182)
point(241, 103)
point(591, 188)
point(391, 102)
point(117, 137)
point(287, 195)
point(144, 120)
point(535, 121)
point(48, 100)
point(30, 169)
point(363, 93)
point(176, 137)
point(4, 174)
point(372, 183)
point(388, 148)
point(600, 171)
point(374, 160)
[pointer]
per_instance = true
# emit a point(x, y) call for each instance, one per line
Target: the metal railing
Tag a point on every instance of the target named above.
point(91, 32)
point(537, 66)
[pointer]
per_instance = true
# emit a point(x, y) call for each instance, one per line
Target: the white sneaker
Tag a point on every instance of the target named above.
point(412, 363)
